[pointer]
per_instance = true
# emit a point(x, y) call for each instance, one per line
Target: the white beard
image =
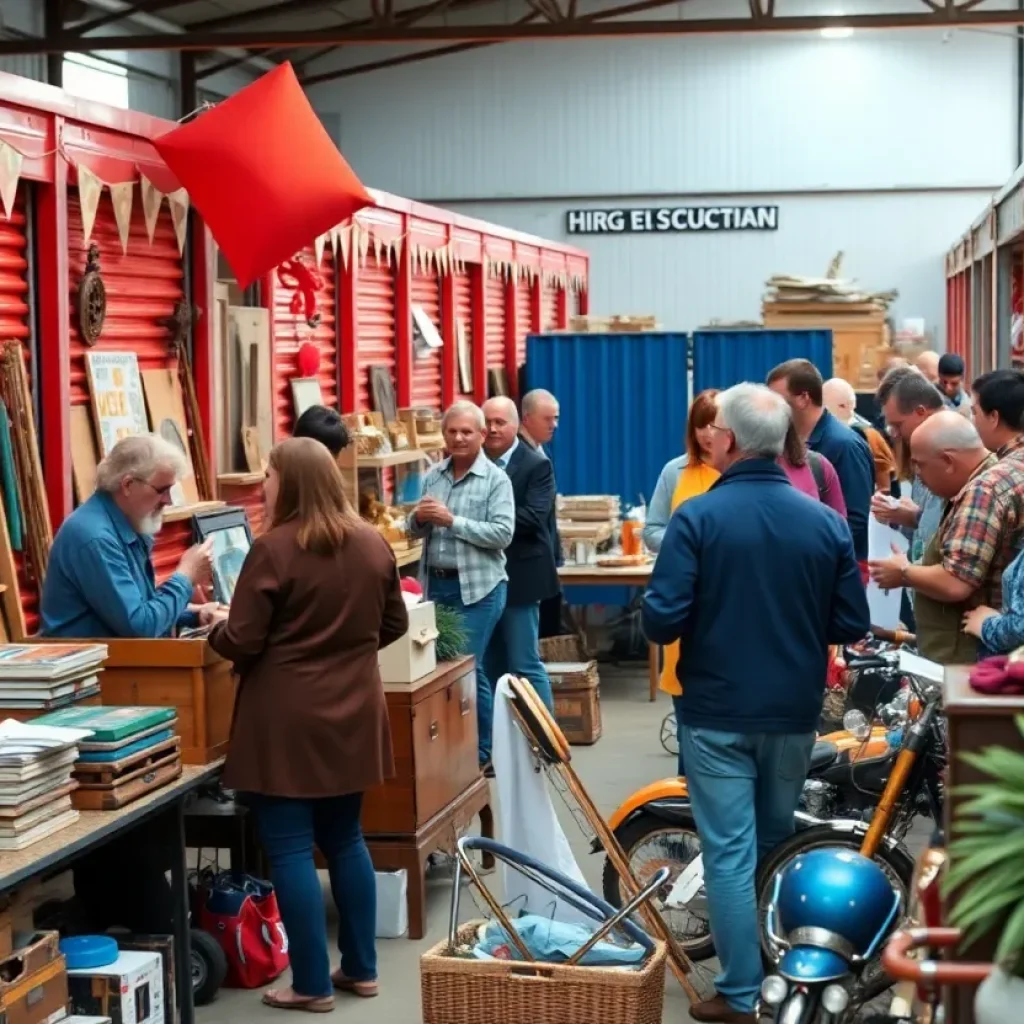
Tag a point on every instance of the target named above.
point(151, 525)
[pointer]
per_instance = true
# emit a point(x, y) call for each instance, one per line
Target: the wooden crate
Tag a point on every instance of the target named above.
point(577, 694)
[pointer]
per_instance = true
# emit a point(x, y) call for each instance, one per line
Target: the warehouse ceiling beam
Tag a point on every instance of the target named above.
point(233, 62)
point(255, 15)
point(499, 33)
point(143, 7)
point(638, 7)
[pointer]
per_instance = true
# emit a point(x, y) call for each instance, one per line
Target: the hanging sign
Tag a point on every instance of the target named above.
point(676, 219)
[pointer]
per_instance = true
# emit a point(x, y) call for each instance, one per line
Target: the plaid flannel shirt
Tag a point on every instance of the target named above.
point(484, 512)
point(984, 526)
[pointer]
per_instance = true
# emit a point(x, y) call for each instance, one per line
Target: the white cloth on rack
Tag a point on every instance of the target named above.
point(526, 818)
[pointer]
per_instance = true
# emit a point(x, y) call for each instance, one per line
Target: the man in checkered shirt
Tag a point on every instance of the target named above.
point(467, 516)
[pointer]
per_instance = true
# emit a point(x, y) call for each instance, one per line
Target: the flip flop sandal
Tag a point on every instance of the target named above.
point(318, 1004)
point(363, 989)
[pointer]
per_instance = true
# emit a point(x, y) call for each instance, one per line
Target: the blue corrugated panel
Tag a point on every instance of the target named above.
point(724, 358)
point(623, 407)
point(623, 414)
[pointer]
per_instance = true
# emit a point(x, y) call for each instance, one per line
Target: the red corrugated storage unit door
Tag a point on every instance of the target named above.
point(495, 300)
point(524, 317)
point(375, 317)
point(464, 314)
point(14, 324)
point(548, 307)
point(291, 331)
point(426, 370)
point(143, 287)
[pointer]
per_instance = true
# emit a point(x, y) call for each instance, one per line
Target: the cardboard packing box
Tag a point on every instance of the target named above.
point(128, 991)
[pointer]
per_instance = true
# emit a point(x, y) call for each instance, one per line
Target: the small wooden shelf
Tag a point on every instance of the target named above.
point(240, 479)
point(408, 556)
point(402, 458)
point(177, 514)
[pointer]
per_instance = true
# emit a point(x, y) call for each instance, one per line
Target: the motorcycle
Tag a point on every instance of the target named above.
point(655, 825)
point(830, 911)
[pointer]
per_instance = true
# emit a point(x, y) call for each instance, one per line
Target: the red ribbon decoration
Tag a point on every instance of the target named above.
point(295, 274)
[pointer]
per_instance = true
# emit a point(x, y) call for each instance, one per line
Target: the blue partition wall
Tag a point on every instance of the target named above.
point(723, 358)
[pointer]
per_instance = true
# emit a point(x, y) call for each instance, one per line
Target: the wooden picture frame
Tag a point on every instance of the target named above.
point(305, 394)
point(232, 539)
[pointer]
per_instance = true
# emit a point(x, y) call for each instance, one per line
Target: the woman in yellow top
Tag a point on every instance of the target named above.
point(681, 479)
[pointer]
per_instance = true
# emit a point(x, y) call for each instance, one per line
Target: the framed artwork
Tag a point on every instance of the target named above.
point(305, 394)
point(232, 538)
point(118, 402)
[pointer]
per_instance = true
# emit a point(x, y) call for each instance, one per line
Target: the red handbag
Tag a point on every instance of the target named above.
point(241, 913)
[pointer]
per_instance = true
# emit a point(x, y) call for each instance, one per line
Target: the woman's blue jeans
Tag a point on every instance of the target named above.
point(289, 829)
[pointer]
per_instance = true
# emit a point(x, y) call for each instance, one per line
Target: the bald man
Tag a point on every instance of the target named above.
point(979, 535)
point(841, 400)
point(928, 363)
point(530, 558)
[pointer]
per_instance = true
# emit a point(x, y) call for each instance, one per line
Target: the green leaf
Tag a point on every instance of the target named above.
point(1012, 941)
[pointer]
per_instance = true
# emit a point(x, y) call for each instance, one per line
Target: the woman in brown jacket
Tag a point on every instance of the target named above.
point(317, 597)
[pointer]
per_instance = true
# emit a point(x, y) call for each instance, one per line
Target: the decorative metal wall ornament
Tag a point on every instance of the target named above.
point(92, 299)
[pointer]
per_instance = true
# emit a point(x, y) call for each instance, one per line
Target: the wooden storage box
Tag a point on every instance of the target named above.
point(184, 674)
point(434, 736)
point(414, 655)
point(576, 690)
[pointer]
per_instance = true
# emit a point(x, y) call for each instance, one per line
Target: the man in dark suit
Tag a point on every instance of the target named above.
point(529, 559)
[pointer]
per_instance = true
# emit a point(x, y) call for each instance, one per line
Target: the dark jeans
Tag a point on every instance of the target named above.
point(677, 707)
point(288, 829)
point(515, 648)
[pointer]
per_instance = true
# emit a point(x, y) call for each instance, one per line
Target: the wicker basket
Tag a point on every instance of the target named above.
point(462, 991)
point(562, 648)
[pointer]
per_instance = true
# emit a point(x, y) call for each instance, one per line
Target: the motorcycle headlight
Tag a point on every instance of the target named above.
point(773, 990)
point(835, 998)
point(856, 723)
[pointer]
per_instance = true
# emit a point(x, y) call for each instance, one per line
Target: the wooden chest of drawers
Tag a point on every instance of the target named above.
point(434, 735)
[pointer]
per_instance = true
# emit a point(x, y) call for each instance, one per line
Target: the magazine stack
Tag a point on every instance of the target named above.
point(38, 678)
point(36, 782)
point(128, 753)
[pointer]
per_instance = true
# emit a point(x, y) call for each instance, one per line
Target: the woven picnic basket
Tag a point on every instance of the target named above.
point(458, 990)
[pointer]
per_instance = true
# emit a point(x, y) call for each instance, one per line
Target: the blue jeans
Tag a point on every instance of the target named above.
point(479, 620)
point(515, 648)
point(745, 789)
point(288, 829)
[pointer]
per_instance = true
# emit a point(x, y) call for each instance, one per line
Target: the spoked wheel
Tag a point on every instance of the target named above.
point(670, 734)
point(650, 844)
point(873, 979)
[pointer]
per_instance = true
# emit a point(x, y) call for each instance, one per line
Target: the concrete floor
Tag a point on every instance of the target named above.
point(628, 756)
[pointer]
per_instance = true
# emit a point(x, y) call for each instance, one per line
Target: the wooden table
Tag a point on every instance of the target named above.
point(630, 576)
point(159, 817)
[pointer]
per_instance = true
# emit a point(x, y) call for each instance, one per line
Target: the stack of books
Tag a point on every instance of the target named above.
point(36, 782)
point(36, 678)
point(129, 752)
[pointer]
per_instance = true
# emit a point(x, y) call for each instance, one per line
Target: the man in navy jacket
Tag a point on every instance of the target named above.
point(756, 580)
point(800, 383)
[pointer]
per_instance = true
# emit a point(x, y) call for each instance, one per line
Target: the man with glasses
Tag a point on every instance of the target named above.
point(100, 580)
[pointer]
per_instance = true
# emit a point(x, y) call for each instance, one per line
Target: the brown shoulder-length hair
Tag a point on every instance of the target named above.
point(702, 412)
point(794, 449)
point(311, 492)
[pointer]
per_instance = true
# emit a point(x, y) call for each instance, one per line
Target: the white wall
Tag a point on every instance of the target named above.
point(884, 145)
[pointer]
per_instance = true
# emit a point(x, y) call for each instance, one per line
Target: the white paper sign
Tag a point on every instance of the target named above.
point(884, 605)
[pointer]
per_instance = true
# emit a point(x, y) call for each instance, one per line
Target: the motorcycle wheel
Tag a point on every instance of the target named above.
point(670, 734)
point(873, 980)
point(651, 843)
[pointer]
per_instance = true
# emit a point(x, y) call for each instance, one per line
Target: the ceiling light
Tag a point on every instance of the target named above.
point(837, 32)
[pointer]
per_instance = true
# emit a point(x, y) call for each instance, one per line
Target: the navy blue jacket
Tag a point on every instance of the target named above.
point(855, 466)
point(756, 579)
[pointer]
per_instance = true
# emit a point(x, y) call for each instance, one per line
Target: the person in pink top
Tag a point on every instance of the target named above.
point(811, 473)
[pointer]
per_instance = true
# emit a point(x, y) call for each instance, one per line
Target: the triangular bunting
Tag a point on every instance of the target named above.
point(363, 242)
point(89, 189)
point(152, 198)
point(10, 171)
point(121, 200)
point(178, 203)
point(378, 248)
point(343, 242)
point(319, 244)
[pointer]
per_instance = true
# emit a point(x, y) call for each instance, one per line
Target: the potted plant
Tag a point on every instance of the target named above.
point(987, 873)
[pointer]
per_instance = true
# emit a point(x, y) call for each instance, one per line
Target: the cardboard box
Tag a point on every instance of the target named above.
point(392, 903)
point(164, 945)
point(128, 991)
point(39, 997)
point(414, 655)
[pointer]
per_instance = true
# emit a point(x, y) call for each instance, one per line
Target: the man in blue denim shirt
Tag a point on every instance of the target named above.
point(100, 580)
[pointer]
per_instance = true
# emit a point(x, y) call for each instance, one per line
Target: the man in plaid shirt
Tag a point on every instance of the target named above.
point(467, 515)
point(979, 535)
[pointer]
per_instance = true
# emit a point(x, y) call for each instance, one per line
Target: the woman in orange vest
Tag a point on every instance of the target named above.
point(681, 479)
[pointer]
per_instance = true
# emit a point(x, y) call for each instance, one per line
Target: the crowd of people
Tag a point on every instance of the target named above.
point(760, 530)
point(740, 549)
